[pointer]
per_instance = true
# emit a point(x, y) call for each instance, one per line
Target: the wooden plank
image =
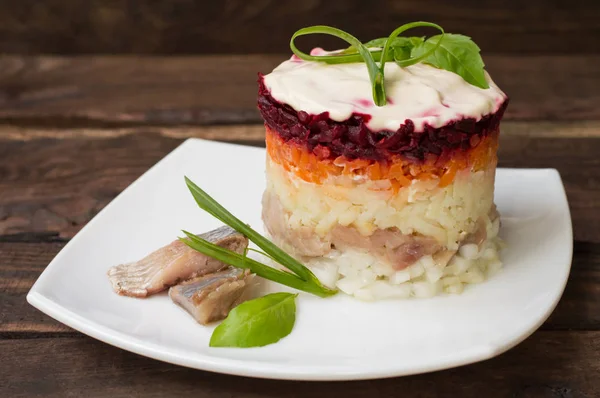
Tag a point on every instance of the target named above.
point(35, 203)
point(579, 307)
point(129, 90)
point(253, 134)
point(237, 26)
point(124, 91)
point(548, 364)
point(21, 264)
point(58, 185)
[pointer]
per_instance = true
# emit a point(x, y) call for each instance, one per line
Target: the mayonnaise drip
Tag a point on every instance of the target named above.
point(421, 93)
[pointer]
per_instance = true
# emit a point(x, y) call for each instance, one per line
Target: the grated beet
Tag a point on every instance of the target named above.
point(353, 139)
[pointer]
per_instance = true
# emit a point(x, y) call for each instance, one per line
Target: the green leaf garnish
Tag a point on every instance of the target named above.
point(375, 74)
point(303, 279)
point(454, 53)
point(398, 31)
point(257, 323)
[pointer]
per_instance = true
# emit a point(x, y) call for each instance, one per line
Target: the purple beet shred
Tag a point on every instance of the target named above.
point(353, 139)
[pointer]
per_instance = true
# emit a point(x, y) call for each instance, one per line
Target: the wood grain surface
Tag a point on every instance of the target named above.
point(549, 364)
point(239, 26)
point(74, 132)
point(124, 91)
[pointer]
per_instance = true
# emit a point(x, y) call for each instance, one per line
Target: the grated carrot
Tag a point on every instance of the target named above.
point(398, 170)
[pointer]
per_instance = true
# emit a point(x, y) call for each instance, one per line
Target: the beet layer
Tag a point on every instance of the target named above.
point(353, 139)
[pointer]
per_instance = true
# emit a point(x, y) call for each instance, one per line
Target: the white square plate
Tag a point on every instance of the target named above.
point(334, 339)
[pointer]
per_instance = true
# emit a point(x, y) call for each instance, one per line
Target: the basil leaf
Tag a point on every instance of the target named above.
point(257, 323)
point(457, 54)
point(403, 49)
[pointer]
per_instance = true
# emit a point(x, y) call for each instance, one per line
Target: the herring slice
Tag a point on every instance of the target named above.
point(209, 298)
point(172, 264)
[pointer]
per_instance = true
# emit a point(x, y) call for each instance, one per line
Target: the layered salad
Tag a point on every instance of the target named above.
point(382, 197)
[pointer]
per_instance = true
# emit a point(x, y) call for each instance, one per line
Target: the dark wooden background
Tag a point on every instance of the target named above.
point(93, 93)
point(265, 26)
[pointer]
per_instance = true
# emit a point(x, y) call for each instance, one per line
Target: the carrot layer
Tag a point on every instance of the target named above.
point(314, 168)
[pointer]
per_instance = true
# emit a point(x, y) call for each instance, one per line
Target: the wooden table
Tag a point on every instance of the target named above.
point(74, 132)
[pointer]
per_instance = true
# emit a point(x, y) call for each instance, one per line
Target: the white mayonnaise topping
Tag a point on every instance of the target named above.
point(421, 93)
